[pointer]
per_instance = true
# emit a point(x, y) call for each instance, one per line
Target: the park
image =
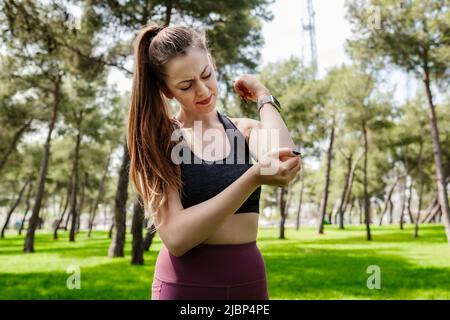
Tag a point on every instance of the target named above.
point(363, 89)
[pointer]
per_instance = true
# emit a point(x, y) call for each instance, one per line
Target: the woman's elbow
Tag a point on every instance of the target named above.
point(172, 245)
point(179, 249)
point(175, 249)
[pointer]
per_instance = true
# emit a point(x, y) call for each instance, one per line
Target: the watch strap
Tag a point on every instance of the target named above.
point(269, 99)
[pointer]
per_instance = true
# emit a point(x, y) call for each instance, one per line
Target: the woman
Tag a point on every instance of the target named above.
point(205, 210)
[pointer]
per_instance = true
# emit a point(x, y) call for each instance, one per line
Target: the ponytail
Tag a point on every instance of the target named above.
point(149, 129)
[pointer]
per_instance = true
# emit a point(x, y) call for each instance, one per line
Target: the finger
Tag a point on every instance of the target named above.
point(240, 92)
point(238, 83)
point(285, 151)
point(293, 173)
point(297, 168)
point(292, 163)
point(237, 87)
point(244, 90)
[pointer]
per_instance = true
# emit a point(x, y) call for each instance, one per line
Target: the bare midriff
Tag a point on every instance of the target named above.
point(238, 228)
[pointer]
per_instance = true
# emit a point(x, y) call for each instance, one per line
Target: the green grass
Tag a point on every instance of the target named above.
point(303, 266)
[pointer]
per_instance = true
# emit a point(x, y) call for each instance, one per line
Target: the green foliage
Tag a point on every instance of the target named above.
point(297, 268)
point(411, 35)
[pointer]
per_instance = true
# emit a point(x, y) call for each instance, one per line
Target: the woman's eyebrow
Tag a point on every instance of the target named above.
point(204, 69)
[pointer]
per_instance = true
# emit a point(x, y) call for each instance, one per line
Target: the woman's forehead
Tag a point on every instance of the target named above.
point(185, 67)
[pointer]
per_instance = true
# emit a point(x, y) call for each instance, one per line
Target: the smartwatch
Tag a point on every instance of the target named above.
point(269, 99)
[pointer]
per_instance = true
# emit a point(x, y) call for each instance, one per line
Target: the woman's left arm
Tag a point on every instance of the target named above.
point(271, 131)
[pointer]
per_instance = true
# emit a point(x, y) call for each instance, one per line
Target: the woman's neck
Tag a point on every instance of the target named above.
point(208, 120)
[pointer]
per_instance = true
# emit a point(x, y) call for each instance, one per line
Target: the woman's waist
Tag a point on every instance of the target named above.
point(218, 264)
point(238, 228)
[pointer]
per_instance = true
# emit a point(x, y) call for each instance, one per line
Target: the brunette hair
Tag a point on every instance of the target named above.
point(149, 126)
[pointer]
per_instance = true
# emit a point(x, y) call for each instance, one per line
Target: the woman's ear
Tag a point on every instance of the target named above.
point(166, 92)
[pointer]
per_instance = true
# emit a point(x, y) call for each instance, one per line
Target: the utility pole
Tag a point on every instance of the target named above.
point(309, 33)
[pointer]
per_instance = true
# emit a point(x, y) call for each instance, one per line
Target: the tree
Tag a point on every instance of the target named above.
point(285, 79)
point(15, 204)
point(116, 248)
point(99, 195)
point(137, 255)
point(363, 115)
point(414, 36)
point(31, 39)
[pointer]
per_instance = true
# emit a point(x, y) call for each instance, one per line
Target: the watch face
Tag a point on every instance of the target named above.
point(276, 102)
point(271, 99)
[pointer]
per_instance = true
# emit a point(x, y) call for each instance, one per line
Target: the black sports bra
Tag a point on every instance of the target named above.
point(203, 179)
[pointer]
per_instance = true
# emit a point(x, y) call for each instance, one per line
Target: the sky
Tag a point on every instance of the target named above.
point(283, 35)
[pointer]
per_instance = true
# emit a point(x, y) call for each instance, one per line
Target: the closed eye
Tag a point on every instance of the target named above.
point(205, 77)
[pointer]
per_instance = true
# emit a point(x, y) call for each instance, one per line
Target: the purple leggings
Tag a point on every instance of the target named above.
point(211, 272)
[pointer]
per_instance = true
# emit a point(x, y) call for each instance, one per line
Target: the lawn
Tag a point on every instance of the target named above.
point(303, 266)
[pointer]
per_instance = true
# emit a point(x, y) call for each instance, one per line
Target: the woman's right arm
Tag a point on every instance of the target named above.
point(183, 229)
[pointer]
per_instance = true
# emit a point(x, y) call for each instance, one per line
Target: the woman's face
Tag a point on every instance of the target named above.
point(191, 80)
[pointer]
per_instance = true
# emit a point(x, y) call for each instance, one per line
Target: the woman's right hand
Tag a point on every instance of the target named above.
point(272, 170)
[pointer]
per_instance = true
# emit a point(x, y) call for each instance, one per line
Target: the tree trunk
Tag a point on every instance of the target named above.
point(351, 178)
point(300, 201)
point(378, 206)
point(433, 213)
point(422, 181)
point(440, 177)
point(13, 144)
point(136, 231)
point(334, 212)
point(344, 191)
point(366, 195)
point(350, 212)
point(289, 195)
point(388, 202)
point(73, 198)
point(14, 206)
point(403, 199)
point(81, 204)
point(27, 208)
point(360, 211)
point(408, 207)
point(168, 14)
point(391, 208)
point(430, 208)
point(111, 228)
point(283, 209)
point(99, 194)
point(149, 237)
point(58, 223)
point(323, 203)
point(44, 208)
point(329, 219)
point(116, 248)
point(29, 239)
point(391, 213)
point(66, 224)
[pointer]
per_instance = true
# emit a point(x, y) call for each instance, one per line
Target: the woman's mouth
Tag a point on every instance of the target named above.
point(206, 101)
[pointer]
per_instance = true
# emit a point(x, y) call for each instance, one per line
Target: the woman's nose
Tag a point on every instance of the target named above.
point(202, 90)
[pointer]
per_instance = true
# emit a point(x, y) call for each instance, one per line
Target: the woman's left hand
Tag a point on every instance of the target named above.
point(249, 87)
